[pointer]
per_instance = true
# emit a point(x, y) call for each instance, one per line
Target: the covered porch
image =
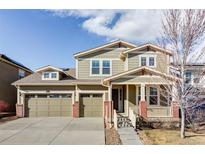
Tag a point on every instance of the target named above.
point(143, 93)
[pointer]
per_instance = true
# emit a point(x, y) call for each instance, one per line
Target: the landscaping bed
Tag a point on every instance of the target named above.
point(112, 137)
point(171, 137)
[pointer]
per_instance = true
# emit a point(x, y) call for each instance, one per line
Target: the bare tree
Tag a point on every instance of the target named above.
point(182, 31)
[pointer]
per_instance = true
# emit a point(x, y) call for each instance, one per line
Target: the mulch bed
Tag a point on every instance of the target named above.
point(112, 137)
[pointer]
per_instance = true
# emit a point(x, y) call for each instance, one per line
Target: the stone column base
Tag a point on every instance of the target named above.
point(76, 110)
point(175, 110)
point(19, 110)
point(143, 109)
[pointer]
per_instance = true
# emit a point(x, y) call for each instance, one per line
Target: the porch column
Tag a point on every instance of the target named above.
point(20, 104)
point(142, 103)
point(174, 103)
point(76, 104)
point(110, 93)
point(127, 102)
point(108, 108)
point(142, 92)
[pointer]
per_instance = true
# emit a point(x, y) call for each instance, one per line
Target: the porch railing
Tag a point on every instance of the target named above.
point(132, 117)
point(115, 119)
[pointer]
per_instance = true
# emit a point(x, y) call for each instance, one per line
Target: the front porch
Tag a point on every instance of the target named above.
point(151, 101)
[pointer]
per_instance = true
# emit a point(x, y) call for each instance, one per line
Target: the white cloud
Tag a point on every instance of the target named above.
point(132, 25)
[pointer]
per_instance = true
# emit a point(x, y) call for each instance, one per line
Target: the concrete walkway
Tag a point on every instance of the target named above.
point(57, 130)
point(129, 137)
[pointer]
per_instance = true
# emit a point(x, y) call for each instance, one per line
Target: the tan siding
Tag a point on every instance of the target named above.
point(92, 87)
point(47, 88)
point(133, 61)
point(161, 60)
point(8, 75)
point(105, 54)
point(158, 112)
point(117, 66)
point(84, 63)
point(84, 69)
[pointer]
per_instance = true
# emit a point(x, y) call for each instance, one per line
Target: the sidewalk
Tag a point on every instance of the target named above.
point(129, 137)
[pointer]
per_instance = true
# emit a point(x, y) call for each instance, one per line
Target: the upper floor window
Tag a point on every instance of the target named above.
point(21, 74)
point(151, 61)
point(95, 67)
point(50, 76)
point(148, 60)
point(46, 75)
point(53, 75)
point(106, 67)
point(143, 61)
point(100, 67)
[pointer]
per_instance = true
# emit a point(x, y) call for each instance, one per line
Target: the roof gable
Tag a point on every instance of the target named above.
point(148, 47)
point(139, 69)
point(119, 43)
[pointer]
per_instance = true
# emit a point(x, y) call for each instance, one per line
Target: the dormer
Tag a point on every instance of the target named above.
point(51, 73)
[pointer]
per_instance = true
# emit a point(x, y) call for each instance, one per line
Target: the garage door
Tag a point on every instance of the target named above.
point(48, 105)
point(91, 105)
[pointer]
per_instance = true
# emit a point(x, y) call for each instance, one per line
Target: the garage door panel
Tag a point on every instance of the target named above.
point(48, 107)
point(54, 113)
point(31, 114)
point(91, 106)
point(42, 114)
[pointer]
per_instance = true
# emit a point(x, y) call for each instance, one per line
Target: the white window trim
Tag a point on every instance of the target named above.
point(21, 72)
point(101, 67)
point(57, 76)
point(147, 60)
point(158, 95)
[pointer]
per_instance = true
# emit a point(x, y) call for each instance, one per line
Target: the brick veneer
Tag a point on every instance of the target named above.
point(108, 111)
point(76, 109)
point(19, 110)
point(143, 109)
point(175, 110)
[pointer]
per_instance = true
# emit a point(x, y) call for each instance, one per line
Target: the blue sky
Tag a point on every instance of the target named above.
point(37, 38)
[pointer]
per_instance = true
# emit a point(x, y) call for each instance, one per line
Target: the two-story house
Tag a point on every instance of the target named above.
point(10, 71)
point(116, 76)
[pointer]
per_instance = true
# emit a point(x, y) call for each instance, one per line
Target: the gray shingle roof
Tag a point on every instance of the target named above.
point(35, 79)
point(14, 62)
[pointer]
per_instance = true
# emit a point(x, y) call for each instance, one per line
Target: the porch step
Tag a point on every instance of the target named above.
point(124, 122)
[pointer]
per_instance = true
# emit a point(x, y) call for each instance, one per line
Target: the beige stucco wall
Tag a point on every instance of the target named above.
point(8, 75)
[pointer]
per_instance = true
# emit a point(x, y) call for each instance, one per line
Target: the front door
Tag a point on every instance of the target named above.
point(115, 98)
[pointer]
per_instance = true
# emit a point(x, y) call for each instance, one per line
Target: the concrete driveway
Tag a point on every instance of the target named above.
point(53, 130)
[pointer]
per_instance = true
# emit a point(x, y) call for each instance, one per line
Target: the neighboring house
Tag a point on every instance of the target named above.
point(118, 75)
point(10, 71)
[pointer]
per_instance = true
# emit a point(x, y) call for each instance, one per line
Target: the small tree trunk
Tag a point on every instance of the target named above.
point(182, 134)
